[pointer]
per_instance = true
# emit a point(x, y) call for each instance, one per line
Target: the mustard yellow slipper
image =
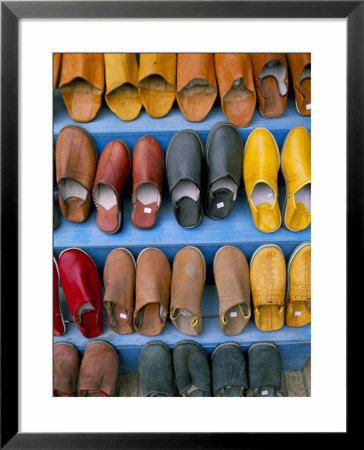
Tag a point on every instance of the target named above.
point(298, 299)
point(157, 82)
point(268, 286)
point(122, 95)
point(260, 172)
point(296, 168)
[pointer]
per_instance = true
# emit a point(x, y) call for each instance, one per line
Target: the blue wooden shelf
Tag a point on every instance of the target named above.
point(237, 229)
point(293, 343)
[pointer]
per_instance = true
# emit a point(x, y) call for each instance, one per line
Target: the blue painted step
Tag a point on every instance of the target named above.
point(293, 343)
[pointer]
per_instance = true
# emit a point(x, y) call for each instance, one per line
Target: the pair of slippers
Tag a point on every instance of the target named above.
point(96, 376)
point(186, 163)
point(227, 377)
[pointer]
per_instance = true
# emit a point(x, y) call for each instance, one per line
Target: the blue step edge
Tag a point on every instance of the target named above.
point(107, 126)
point(294, 343)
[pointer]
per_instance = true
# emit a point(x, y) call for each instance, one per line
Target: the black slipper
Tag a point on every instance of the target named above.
point(156, 370)
point(224, 157)
point(229, 378)
point(184, 161)
point(192, 369)
point(265, 369)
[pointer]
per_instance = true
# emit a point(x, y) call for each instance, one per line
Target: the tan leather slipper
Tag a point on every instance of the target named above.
point(196, 85)
point(236, 86)
point(157, 82)
point(300, 68)
point(82, 84)
point(57, 58)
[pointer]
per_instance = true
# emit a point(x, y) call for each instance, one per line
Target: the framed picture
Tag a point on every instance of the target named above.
point(31, 33)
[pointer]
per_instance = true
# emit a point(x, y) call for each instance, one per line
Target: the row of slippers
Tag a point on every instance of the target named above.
point(140, 295)
point(81, 178)
point(228, 373)
point(194, 79)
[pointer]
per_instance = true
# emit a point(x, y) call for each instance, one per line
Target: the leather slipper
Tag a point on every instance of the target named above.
point(76, 160)
point(66, 363)
point(157, 82)
point(188, 280)
point(184, 161)
point(57, 58)
point(265, 370)
point(268, 286)
point(196, 85)
point(192, 369)
point(152, 292)
point(224, 158)
point(119, 283)
point(229, 377)
point(298, 297)
point(99, 372)
point(121, 76)
point(300, 68)
point(148, 174)
point(82, 288)
point(271, 78)
point(59, 327)
point(82, 84)
point(156, 370)
point(112, 172)
point(236, 87)
point(231, 272)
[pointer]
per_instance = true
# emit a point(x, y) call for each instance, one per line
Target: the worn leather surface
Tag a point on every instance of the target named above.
point(268, 287)
point(113, 170)
point(224, 157)
point(119, 283)
point(66, 362)
point(298, 305)
point(184, 161)
point(76, 159)
point(157, 82)
point(58, 323)
point(57, 58)
point(148, 167)
point(231, 272)
point(188, 280)
point(153, 282)
point(229, 375)
point(156, 370)
point(296, 167)
point(192, 369)
point(81, 284)
point(261, 165)
point(274, 104)
point(81, 82)
point(238, 104)
point(264, 368)
point(302, 89)
point(196, 85)
point(99, 370)
point(121, 75)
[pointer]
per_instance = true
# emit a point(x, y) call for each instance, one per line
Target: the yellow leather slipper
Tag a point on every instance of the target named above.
point(298, 299)
point(260, 173)
point(157, 82)
point(296, 168)
point(268, 286)
point(122, 94)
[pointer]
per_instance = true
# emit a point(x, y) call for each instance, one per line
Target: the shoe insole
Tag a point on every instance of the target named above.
point(71, 188)
point(236, 322)
point(275, 69)
point(269, 317)
point(149, 319)
point(147, 193)
point(146, 206)
point(117, 318)
point(262, 193)
point(238, 91)
point(105, 196)
point(197, 88)
point(87, 318)
point(222, 198)
point(304, 196)
point(185, 321)
point(298, 313)
point(80, 86)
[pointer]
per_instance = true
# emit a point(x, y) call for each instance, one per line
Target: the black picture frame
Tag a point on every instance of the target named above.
point(11, 12)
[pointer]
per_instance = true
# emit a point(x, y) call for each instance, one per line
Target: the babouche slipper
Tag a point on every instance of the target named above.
point(59, 326)
point(300, 68)
point(66, 363)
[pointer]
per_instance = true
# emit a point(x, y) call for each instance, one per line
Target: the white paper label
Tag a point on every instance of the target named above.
point(308, 106)
point(264, 392)
point(147, 210)
point(123, 316)
point(297, 313)
point(220, 205)
point(233, 314)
